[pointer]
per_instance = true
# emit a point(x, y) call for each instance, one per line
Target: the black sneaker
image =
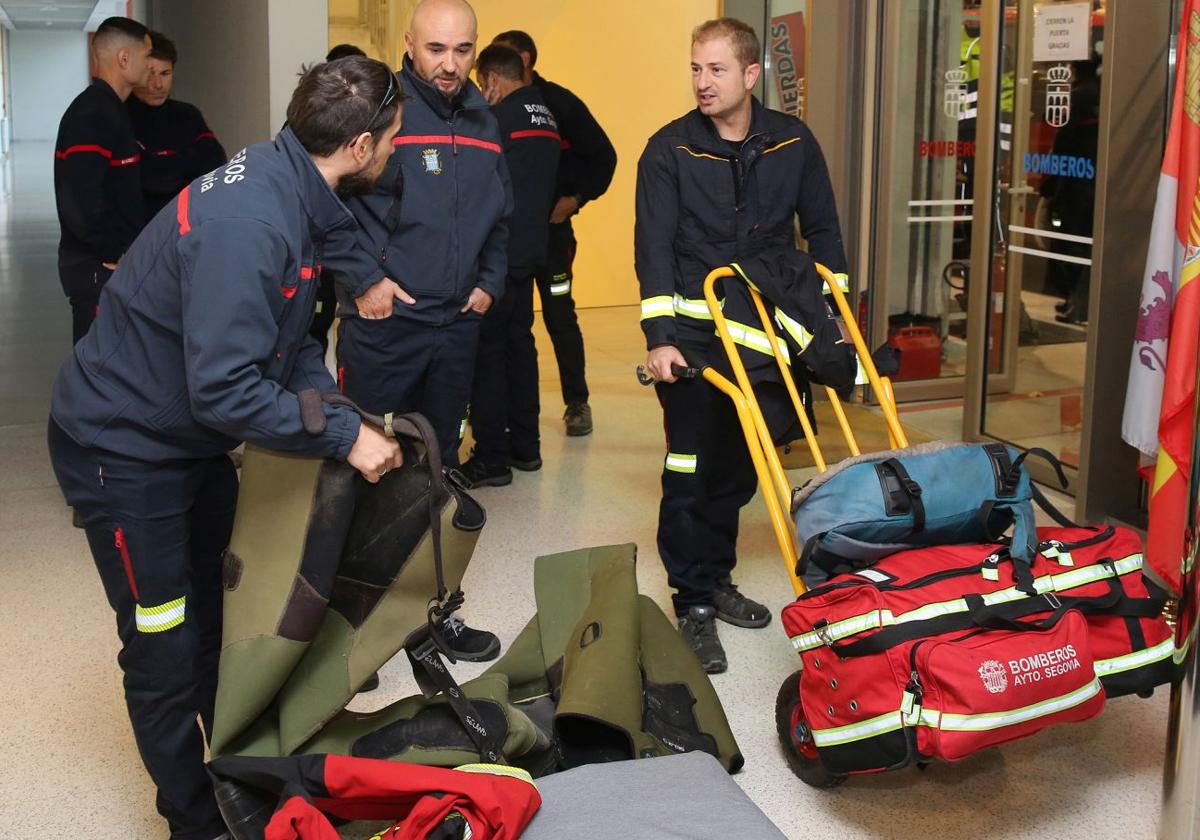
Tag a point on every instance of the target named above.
point(525, 464)
point(579, 419)
point(77, 519)
point(735, 608)
point(479, 473)
point(699, 630)
point(468, 644)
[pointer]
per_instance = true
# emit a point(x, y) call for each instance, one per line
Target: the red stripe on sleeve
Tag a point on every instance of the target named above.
point(536, 132)
point(181, 211)
point(71, 150)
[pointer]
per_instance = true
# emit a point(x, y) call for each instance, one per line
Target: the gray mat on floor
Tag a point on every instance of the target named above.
point(679, 797)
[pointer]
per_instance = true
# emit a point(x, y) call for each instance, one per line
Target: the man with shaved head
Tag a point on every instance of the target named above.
point(97, 177)
point(429, 257)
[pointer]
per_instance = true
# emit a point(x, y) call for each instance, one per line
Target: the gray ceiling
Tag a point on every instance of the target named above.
point(50, 14)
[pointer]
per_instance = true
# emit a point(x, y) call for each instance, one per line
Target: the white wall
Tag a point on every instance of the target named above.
point(299, 34)
point(49, 69)
point(239, 59)
point(223, 64)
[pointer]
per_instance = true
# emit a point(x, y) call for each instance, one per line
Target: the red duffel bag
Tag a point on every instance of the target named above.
point(938, 652)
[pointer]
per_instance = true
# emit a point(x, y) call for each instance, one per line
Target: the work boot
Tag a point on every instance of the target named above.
point(480, 473)
point(468, 644)
point(77, 518)
point(579, 419)
point(699, 630)
point(526, 464)
point(735, 608)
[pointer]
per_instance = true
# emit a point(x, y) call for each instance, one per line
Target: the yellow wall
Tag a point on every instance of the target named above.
point(628, 60)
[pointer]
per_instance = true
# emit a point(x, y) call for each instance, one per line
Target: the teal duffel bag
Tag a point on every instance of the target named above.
point(941, 493)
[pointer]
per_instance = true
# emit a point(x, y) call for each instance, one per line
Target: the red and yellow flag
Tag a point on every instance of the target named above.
point(1168, 334)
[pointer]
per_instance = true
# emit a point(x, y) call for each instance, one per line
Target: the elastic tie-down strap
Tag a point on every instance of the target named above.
point(433, 678)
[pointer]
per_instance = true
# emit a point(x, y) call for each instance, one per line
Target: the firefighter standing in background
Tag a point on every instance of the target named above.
point(585, 170)
point(504, 399)
point(97, 176)
point(176, 143)
point(430, 255)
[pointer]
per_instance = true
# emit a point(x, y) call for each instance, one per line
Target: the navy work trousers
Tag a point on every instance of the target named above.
point(158, 532)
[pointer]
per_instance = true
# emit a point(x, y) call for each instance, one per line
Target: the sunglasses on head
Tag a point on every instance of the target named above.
point(388, 97)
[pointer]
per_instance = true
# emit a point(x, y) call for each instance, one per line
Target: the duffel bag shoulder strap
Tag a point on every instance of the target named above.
point(1038, 496)
point(975, 612)
point(433, 678)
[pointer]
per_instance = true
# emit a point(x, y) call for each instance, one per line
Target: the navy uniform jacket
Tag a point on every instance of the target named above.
point(177, 146)
point(202, 337)
point(702, 203)
point(588, 158)
point(438, 223)
point(532, 146)
point(97, 180)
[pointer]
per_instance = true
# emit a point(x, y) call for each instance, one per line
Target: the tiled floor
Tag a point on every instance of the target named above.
point(67, 759)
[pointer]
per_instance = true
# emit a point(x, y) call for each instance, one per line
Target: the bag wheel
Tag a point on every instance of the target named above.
point(796, 738)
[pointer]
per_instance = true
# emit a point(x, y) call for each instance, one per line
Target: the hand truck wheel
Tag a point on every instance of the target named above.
point(796, 738)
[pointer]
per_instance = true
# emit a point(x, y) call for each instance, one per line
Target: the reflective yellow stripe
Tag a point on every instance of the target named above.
point(160, 618)
point(841, 629)
point(692, 308)
point(1063, 582)
point(1120, 664)
point(462, 429)
point(658, 307)
point(679, 463)
point(560, 284)
point(889, 722)
point(843, 281)
point(756, 340)
point(935, 719)
point(794, 328)
point(999, 720)
point(498, 770)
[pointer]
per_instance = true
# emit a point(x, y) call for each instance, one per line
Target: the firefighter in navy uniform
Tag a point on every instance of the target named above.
point(201, 342)
point(177, 144)
point(727, 180)
point(504, 399)
point(97, 175)
point(585, 171)
point(430, 255)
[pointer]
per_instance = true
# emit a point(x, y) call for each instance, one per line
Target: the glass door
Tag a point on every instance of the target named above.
point(929, 90)
point(1044, 190)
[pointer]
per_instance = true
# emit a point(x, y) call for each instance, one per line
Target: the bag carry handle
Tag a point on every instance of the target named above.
point(904, 488)
point(414, 427)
